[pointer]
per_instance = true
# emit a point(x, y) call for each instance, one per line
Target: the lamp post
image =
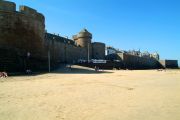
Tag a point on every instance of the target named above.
point(88, 52)
point(66, 49)
point(49, 61)
point(49, 54)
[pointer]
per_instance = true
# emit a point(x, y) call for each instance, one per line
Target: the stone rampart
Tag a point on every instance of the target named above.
point(169, 63)
point(23, 31)
point(64, 50)
point(7, 6)
point(136, 62)
point(98, 50)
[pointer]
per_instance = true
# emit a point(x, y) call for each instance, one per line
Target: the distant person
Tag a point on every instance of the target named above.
point(96, 68)
point(28, 71)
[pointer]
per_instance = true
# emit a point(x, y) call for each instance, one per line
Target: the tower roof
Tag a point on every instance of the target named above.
point(84, 30)
point(84, 33)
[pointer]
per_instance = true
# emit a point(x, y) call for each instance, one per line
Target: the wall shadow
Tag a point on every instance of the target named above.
point(62, 69)
point(78, 70)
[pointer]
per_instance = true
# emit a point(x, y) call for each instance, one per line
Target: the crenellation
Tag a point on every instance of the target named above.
point(7, 6)
point(27, 10)
point(31, 13)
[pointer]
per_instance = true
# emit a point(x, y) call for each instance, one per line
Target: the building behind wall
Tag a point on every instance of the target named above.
point(139, 60)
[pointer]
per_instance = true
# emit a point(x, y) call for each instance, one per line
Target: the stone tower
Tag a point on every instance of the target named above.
point(83, 39)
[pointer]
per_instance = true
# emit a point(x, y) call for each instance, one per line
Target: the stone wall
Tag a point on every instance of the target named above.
point(136, 62)
point(83, 40)
point(24, 44)
point(169, 63)
point(21, 32)
point(98, 50)
point(9, 60)
point(7, 6)
point(64, 50)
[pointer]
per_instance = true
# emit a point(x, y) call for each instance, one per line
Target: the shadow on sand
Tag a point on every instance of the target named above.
point(75, 69)
point(63, 69)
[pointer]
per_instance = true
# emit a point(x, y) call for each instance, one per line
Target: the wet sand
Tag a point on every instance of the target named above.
point(86, 95)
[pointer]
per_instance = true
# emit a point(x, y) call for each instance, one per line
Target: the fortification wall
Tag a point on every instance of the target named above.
point(22, 36)
point(136, 62)
point(64, 50)
point(21, 31)
point(169, 63)
point(83, 39)
point(98, 50)
point(7, 6)
point(74, 53)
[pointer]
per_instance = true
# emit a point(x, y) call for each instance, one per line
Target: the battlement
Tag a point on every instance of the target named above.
point(7, 6)
point(31, 12)
point(27, 10)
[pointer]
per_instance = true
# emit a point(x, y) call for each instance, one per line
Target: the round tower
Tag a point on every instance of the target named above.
point(83, 39)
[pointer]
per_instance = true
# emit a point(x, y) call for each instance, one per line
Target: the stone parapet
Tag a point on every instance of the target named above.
point(7, 6)
point(31, 12)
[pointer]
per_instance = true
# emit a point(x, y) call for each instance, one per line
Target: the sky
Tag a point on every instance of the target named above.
point(148, 25)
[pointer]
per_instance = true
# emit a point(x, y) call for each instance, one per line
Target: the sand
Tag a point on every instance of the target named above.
point(86, 95)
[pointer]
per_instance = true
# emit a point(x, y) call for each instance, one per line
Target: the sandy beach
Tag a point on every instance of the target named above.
point(83, 94)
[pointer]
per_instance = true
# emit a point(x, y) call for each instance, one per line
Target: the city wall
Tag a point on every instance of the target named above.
point(169, 63)
point(64, 50)
point(136, 62)
point(98, 50)
point(25, 45)
point(21, 33)
point(23, 29)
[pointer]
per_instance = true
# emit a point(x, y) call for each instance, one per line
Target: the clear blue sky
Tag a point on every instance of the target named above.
point(152, 25)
